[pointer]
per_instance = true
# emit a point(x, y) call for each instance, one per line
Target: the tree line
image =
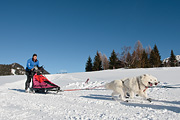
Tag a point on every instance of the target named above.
point(139, 58)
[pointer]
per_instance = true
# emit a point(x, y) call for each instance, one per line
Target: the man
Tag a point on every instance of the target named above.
point(31, 64)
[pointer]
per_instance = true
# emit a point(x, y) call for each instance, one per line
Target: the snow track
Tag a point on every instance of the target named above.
point(90, 104)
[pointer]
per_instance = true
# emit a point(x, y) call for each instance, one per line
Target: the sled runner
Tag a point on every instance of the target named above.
point(42, 85)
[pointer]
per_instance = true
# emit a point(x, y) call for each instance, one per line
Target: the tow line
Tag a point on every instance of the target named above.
point(84, 88)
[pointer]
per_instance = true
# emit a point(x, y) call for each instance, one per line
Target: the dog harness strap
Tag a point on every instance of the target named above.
point(140, 87)
point(138, 84)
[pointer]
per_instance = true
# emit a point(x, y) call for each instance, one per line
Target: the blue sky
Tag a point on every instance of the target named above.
point(65, 32)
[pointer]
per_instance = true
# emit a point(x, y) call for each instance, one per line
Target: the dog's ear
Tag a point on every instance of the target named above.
point(142, 76)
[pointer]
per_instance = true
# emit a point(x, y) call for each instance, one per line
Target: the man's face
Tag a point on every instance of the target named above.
point(34, 57)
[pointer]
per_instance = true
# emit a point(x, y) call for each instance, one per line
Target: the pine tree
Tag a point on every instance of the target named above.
point(97, 65)
point(152, 58)
point(89, 64)
point(158, 57)
point(155, 58)
point(144, 60)
point(172, 59)
point(113, 60)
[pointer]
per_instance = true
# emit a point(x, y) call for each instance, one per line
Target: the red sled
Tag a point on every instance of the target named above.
point(42, 85)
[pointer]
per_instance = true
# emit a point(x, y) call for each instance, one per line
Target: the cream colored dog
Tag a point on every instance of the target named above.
point(132, 86)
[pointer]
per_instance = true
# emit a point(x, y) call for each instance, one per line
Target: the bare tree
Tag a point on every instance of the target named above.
point(137, 54)
point(139, 49)
point(148, 50)
point(124, 54)
point(129, 60)
point(133, 59)
point(101, 56)
point(105, 62)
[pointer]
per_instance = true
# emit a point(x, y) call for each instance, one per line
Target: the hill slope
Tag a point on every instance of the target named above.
point(167, 59)
point(13, 69)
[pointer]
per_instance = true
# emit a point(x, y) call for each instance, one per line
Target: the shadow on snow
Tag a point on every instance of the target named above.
point(157, 107)
point(19, 90)
point(98, 97)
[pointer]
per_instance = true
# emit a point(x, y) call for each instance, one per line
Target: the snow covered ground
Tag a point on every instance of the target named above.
point(95, 104)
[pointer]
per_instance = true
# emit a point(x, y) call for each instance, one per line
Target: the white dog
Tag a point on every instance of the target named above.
point(133, 86)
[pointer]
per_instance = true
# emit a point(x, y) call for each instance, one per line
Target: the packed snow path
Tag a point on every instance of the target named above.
point(96, 104)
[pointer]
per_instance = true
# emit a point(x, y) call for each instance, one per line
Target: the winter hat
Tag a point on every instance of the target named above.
point(34, 55)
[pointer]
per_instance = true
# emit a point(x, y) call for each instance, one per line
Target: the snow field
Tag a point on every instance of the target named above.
point(91, 104)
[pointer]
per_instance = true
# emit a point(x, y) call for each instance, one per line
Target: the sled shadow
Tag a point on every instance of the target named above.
point(98, 97)
point(157, 107)
point(19, 90)
point(37, 92)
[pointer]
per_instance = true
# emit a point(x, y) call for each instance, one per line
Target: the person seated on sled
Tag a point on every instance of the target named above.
point(32, 63)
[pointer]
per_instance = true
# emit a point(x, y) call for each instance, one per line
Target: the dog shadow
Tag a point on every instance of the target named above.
point(171, 102)
point(157, 107)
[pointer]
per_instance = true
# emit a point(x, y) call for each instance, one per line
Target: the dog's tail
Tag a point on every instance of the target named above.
point(114, 84)
point(107, 85)
point(110, 85)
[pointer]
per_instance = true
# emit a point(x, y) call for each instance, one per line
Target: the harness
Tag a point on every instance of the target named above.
point(138, 81)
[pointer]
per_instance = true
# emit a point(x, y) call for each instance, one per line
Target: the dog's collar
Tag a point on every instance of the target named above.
point(145, 88)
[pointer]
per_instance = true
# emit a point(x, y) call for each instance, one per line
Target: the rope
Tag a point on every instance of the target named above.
point(84, 88)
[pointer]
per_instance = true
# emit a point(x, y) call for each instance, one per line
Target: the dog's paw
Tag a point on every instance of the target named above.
point(149, 99)
point(126, 96)
point(126, 101)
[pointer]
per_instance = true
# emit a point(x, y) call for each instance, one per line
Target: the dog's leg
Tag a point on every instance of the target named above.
point(126, 93)
point(113, 93)
point(131, 94)
point(145, 96)
point(121, 92)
